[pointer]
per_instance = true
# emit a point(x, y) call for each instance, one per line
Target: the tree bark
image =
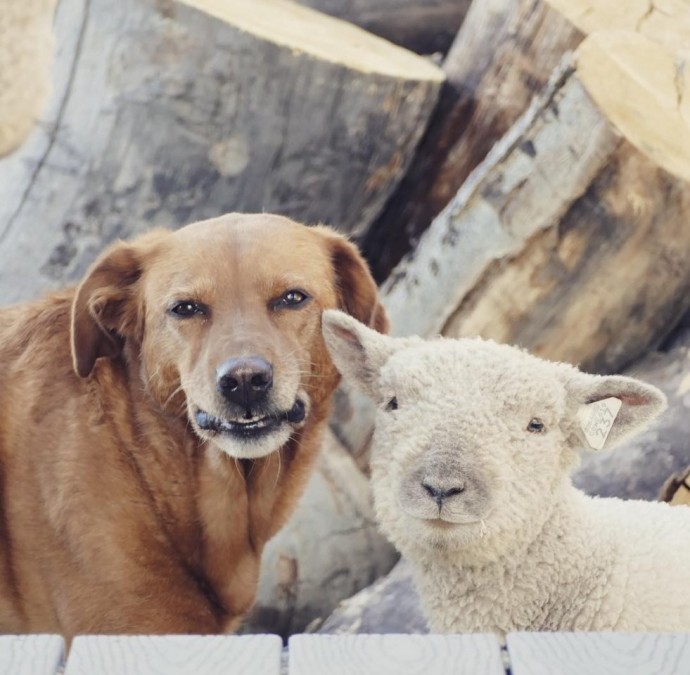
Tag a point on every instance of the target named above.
point(329, 549)
point(390, 605)
point(676, 489)
point(167, 112)
point(424, 26)
point(606, 279)
point(503, 55)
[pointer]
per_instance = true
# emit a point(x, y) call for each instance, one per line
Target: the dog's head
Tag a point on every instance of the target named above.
point(221, 319)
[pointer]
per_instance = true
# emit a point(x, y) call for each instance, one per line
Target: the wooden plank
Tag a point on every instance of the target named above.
point(599, 653)
point(31, 654)
point(175, 655)
point(395, 655)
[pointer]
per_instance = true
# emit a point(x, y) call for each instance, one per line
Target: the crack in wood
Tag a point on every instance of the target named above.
point(650, 10)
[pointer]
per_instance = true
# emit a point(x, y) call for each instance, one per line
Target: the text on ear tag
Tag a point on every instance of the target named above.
point(596, 420)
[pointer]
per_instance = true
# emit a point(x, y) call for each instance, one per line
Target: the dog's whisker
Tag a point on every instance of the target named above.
point(280, 460)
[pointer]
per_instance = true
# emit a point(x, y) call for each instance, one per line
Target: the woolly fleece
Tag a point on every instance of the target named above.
point(478, 498)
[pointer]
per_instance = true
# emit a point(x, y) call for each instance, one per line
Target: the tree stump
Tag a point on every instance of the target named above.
point(167, 112)
point(503, 55)
point(390, 605)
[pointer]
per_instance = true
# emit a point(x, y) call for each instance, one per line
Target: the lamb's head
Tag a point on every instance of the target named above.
point(473, 439)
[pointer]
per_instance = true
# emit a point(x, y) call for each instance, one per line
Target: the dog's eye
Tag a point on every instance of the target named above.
point(536, 426)
point(392, 404)
point(186, 308)
point(292, 298)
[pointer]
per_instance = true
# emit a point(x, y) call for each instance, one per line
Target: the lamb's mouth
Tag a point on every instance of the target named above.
point(445, 524)
point(252, 428)
point(441, 524)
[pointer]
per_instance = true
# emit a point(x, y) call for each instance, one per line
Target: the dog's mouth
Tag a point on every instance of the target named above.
point(250, 428)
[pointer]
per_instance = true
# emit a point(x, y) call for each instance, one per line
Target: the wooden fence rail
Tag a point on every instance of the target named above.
point(523, 654)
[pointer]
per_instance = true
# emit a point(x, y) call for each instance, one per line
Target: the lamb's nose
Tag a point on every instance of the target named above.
point(245, 381)
point(439, 493)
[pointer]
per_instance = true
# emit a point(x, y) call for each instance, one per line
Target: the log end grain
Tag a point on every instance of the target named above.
point(321, 36)
point(640, 86)
point(26, 59)
point(667, 23)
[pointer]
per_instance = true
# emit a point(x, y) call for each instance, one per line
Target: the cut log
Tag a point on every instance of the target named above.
point(640, 468)
point(329, 549)
point(544, 244)
point(647, 76)
point(424, 26)
point(666, 22)
point(390, 605)
point(26, 59)
point(503, 55)
point(676, 489)
point(167, 112)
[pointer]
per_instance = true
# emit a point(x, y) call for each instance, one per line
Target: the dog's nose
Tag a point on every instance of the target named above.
point(245, 381)
point(440, 493)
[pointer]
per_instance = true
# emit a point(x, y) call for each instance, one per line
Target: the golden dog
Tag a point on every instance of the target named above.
point(158, 424)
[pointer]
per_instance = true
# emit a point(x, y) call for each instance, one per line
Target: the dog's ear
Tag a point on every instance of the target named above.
point(105, 309)
point(357, 291)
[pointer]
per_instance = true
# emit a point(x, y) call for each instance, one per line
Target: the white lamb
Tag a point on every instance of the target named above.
point(470, 460)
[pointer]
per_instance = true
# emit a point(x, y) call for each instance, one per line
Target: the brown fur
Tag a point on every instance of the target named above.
point(116, 517)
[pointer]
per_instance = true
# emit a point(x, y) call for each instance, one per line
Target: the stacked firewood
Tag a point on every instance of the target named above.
point(516, 169)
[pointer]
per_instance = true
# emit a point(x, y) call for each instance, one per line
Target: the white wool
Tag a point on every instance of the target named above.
point(514, 546)
point(26, 57)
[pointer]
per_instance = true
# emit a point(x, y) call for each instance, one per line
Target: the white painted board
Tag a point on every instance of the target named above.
point(395, 655)
point(31, 654)
point(175, 655)
point(599, 653)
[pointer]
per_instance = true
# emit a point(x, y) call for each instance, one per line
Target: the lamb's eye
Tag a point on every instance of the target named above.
point(392, 404)
point(536, 426)
point(185, 309)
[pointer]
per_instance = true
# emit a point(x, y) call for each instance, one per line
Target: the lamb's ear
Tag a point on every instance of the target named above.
point(356, 288)
point(104, 311)
point(640, 403)
point(357, 351)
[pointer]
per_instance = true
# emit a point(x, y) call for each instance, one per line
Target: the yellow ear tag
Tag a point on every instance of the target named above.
point(596, 420)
